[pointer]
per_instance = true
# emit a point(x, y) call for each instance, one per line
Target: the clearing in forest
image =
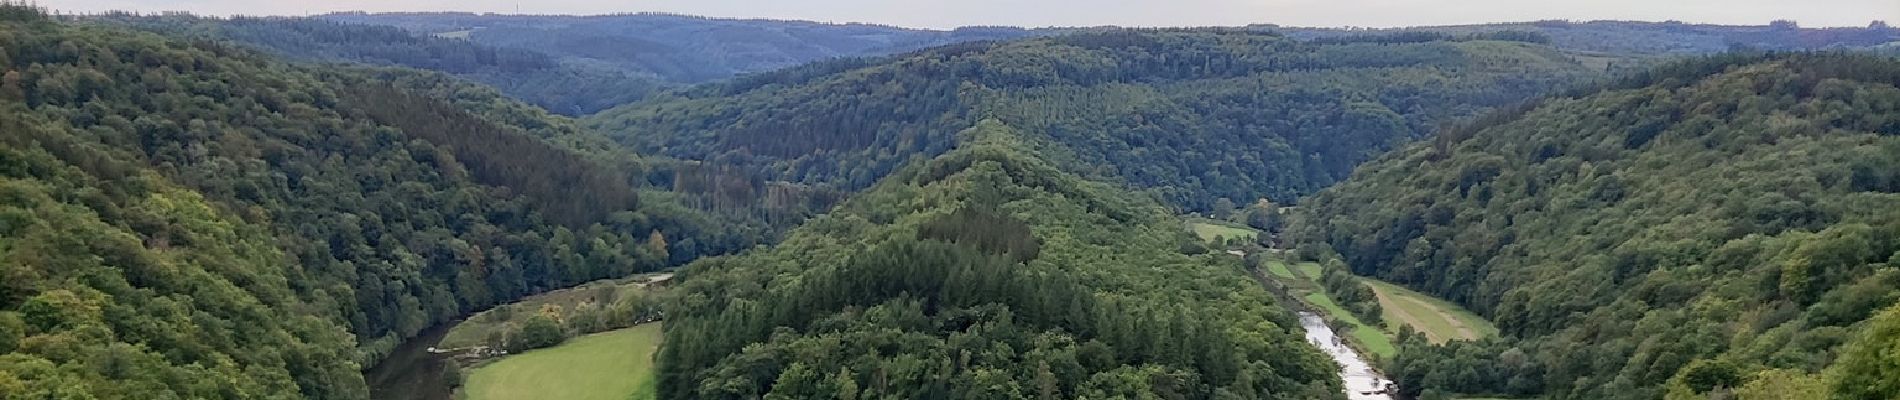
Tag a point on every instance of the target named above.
point(1279, 270)
point(1209, 229)
point(614, 365)
point(1438, 319)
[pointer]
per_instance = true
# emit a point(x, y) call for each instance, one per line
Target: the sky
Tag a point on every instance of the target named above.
point(1037, 13)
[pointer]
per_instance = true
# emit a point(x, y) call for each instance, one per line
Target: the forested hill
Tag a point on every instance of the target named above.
point(1671, 234)
point(1199, 114)
point(679, 48)
point(986, 273)
point(1650, 39)
point(192, 220)
point(530, 75)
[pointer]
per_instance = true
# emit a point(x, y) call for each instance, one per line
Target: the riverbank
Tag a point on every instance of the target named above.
point(412, 372)
point(427, 367)
point(1299, 284)
point(613, 365)
point(1361, 378)
point(1362, 381)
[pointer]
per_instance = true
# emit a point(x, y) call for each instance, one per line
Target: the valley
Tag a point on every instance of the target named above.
point(444, 205)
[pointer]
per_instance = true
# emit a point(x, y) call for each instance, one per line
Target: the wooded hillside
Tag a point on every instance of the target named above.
point(193, 220)
point(985, 273)
point(1676, 231)
point(1198, 115)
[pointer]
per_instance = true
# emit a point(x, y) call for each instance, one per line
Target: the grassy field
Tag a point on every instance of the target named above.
point(1279, 270)
point(1209, 229)
point(1439, 320)
point(615, 365)
point(1370, 337)
point(1311, 270)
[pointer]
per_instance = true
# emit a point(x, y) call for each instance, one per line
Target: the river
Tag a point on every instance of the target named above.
point(1359, 376)
point(411, 372)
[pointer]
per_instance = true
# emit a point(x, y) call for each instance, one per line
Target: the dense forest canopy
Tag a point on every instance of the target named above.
point(184, 219)
point(1197, 114)
point(1670, 234)
point(985, 273)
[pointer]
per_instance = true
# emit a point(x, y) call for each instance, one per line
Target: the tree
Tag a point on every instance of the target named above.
point(1703, 376)
point(1223, 209)
point(12, 329)
point(1544, 219)
point(1781, 384)
point(1265, 217)
point(656, 244)
point(846, 384)
point(1869, 367)
point(537, 332)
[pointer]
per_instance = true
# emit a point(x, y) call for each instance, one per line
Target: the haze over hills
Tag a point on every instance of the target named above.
point(680, 48)
point(582, 64)
point(1669, 38)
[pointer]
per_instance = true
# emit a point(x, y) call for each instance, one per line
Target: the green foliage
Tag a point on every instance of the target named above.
point(984, 230)
point(1197, 115)
point(1703, 376)
point(538, 331)
point(586, 309)
point(678, 48)
point(524, 73)
point(1640, 39)
point(1735, 208)
point(189, 220)
point(1869, 367)
point(12, 329)
point(863, 303)
point(1781, 384)
point(1353, 295)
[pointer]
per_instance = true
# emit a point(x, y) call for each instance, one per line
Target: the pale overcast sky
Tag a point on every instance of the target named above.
point(952, 13)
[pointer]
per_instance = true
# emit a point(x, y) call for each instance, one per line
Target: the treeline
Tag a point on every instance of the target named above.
point(1357, 297)
point(191, 220)
point(679, 48)
point(1198, 115)
point(549, 319)
point(985, 273)
point(1685, 232)
point(1637, 40)
point(319, 40)
point(524, 73)
point(1402, 37)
